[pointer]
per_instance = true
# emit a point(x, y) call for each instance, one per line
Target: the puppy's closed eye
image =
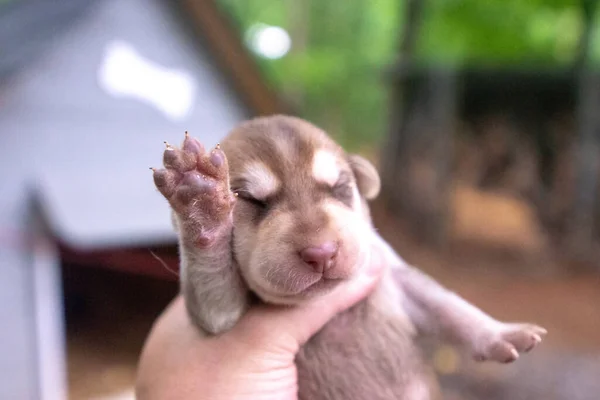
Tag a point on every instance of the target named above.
point(342, 190)
point(246, 196)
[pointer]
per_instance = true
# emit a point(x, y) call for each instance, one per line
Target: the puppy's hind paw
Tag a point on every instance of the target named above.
point(508, 341)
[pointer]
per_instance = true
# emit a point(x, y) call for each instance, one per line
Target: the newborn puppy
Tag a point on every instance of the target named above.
point(280, 211)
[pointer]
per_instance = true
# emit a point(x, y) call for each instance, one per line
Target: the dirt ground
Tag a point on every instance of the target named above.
point(495, 259)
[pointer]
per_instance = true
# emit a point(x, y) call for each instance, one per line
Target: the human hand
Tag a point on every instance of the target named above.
point(254, 360)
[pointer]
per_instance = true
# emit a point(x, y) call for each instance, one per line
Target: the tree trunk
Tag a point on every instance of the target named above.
point(582, 225)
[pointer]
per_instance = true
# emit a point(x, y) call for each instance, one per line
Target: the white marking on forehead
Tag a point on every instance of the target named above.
point(325, 168)
point(261, 181)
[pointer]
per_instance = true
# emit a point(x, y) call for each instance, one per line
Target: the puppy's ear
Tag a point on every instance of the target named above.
point(367, 177)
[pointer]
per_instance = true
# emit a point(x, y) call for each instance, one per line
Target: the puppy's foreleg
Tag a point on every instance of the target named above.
point(215, 295)
point(436, 310)
point(196, 184)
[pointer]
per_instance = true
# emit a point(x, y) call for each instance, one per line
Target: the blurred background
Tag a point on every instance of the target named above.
point(482, 117)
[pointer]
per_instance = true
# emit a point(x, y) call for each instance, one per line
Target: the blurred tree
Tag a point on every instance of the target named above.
point(339, 48)
point(334, 71)
point(501, 31)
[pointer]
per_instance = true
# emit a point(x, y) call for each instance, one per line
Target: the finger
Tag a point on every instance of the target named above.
point(304, 321)
point(308, 320)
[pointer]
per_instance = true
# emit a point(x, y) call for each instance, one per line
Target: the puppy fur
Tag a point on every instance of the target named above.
point(280, 211)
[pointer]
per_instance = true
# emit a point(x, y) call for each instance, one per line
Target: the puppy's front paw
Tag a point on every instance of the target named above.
point(196, 184)
point(505, 342)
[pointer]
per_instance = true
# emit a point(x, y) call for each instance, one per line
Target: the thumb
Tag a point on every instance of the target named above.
point(303, 321)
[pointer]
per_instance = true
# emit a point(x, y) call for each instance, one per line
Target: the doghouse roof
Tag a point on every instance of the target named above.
point(84, 114)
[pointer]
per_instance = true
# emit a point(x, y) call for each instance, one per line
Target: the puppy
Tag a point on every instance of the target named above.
point(280, 210)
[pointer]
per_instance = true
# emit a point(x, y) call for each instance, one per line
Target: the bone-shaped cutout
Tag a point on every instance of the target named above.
point(126, 73)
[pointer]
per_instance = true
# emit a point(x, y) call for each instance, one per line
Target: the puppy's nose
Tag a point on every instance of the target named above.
point(320, 257)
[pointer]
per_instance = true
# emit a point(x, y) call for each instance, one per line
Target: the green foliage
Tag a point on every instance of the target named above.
point(339, 71)
point(500, 31)
point(337, 76)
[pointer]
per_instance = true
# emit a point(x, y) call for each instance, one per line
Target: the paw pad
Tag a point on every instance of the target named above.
point(196, 184)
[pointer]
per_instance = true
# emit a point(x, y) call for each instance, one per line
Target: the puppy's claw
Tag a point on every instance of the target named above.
point(541, 331)
point(511, 339)
point(514, 355)
point(192, 145)
point(535, 340)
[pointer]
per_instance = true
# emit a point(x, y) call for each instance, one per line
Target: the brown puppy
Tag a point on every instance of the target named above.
point(299, 228)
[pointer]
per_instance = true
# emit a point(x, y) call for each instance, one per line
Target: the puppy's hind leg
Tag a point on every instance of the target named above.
point(436, 310)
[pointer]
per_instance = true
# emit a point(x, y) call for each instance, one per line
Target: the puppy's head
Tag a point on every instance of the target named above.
point(301, 222)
